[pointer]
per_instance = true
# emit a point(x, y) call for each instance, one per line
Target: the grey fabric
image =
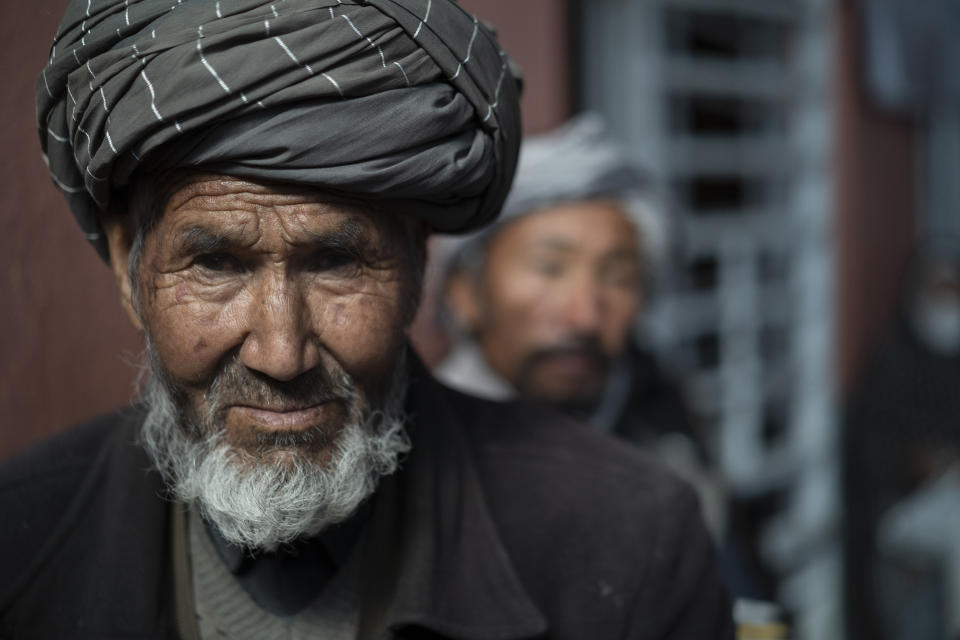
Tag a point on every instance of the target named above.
point(578, 161)
point(284, 581)
point(465, 369)
point(411, 101)
point(911, 53)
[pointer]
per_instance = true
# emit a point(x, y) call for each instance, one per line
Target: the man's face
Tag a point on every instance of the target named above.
point(261, 304)
point(556, 299)
point(274, 321)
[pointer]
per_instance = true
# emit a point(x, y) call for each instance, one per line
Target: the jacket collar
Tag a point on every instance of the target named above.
point(454, 574)
point(126, 500)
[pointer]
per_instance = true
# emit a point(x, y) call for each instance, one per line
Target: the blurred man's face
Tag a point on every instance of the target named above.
point(556, 299)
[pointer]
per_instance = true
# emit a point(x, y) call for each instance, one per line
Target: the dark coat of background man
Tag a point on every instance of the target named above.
point(261, 178)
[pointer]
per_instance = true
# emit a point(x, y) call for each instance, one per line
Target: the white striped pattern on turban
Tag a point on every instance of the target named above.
point(411, 101)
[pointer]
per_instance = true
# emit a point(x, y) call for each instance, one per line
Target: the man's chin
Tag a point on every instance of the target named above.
point(287, 458)
point(571, 377)
point(568, 393)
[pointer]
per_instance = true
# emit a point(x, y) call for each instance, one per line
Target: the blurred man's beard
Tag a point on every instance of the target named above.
point(281, 488)
point(578, 399)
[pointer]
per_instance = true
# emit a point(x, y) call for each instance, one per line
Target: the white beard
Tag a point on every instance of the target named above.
point(264, 502)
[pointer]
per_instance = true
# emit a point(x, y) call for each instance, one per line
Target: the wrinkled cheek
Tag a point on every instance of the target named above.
point(338, 316)
point(364, 335)
point(190, 339)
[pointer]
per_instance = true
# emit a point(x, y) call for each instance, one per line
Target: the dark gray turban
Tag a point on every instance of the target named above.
point(411, 101)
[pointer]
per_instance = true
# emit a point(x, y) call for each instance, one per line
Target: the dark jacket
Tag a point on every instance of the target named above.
point(901, 433)
point(513, 523)
point(654, 406)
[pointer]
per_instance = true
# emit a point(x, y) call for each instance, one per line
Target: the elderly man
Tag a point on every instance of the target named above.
point(261, 178)
point(544, 303)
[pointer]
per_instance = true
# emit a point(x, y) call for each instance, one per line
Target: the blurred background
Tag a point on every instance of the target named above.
point(809, 151)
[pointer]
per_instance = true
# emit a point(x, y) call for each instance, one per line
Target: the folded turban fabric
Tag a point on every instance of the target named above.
point(578, 161)
point(409, 101)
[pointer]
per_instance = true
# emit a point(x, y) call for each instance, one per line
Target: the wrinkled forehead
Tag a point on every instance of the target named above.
point(190, 198)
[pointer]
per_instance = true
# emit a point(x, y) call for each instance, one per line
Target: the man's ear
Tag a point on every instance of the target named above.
point(120, 239)
point(463, 297)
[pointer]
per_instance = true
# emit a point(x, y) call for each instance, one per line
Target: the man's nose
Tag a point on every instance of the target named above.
point(280, 340)
point(581, 306)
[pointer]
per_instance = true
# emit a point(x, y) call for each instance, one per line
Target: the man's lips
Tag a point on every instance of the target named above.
point(270, 419)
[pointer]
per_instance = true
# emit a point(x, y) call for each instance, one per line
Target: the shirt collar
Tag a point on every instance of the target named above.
point(288, 579)
point(466, 369)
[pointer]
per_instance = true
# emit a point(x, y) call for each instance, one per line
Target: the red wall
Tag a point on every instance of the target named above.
point(875, 182)
point(535, 33)
point(66, 351)
point(63, 339)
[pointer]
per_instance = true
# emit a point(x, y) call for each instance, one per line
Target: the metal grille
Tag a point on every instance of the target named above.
point(727, 103)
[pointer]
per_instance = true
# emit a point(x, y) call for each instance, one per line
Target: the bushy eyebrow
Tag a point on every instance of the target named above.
point(563, 242)
point(350, 235)
point(562, 245)
point(555, 244)
point(196, 240)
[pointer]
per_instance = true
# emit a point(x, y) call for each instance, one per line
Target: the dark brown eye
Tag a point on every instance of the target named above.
point(548, 268)
point(333, 261)
point(217, 262)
